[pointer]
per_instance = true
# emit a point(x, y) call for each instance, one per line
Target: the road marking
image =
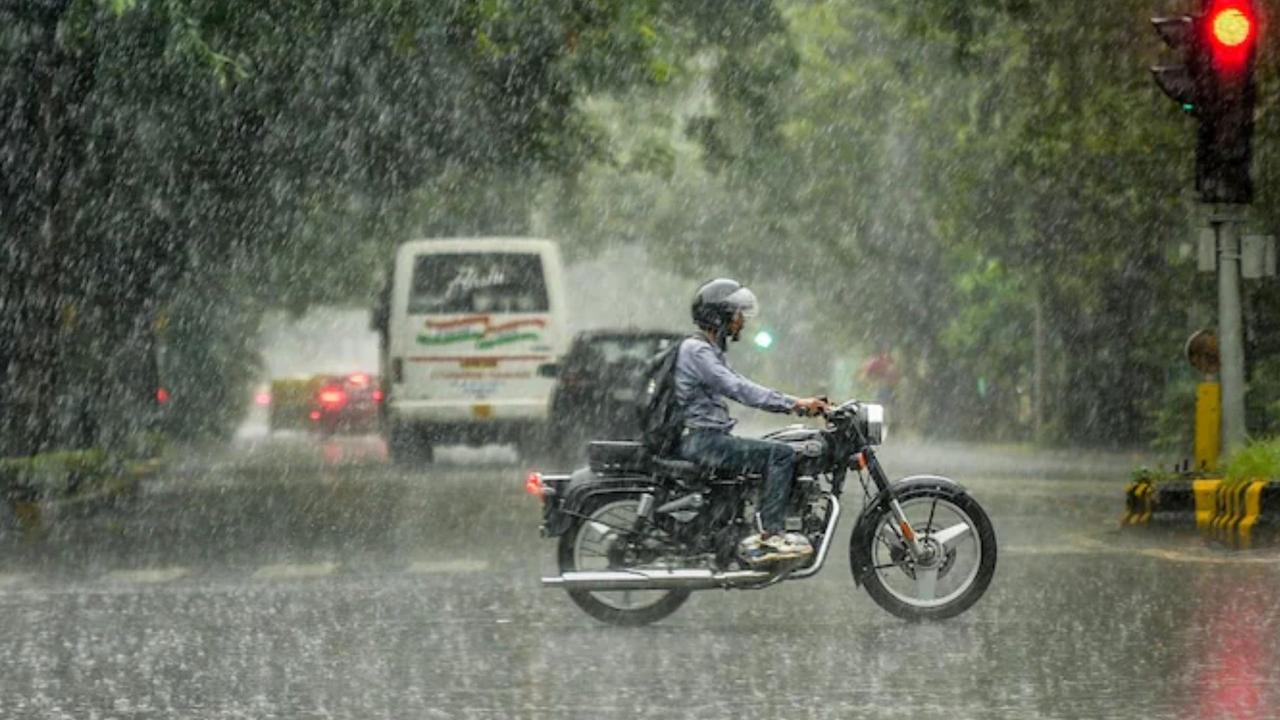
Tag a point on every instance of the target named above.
point(1204, 556)
point(11, 579)
point(289, 572)
point(148, 576)
point(1186, 557)
point(1053, 550)
point(432, 567)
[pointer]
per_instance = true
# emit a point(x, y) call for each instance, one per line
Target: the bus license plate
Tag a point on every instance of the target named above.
point(482, 411)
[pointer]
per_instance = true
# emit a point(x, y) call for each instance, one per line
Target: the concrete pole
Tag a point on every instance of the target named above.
point(1230, 333)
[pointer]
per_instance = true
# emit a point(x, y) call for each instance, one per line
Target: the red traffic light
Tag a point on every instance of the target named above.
point(1233, 27)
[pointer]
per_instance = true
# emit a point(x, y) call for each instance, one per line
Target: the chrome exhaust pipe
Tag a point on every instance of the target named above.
point(819, 561)
point(654, 579)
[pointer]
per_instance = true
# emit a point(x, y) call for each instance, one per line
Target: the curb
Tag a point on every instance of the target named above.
point(1239, 514)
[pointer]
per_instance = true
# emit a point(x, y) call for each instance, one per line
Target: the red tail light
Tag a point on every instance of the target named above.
point(262, 398)
point(377, 396)
point(162, 396)
point(533, 484)
point(332, 396)
point(358, 379)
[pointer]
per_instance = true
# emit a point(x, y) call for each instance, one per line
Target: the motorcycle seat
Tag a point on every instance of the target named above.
point(678, 469)
point(615, 456)
point(689, 473)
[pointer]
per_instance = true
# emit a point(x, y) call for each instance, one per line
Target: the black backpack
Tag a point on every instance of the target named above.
point(661, 417)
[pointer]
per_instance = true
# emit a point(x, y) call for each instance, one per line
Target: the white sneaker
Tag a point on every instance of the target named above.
point(759, 550)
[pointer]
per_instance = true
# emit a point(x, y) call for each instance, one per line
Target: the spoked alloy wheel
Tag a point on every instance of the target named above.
point(598, 543)
point(961, 556)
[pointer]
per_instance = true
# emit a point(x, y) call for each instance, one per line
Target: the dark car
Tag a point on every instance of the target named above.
point(598, 383)
point(347, 404)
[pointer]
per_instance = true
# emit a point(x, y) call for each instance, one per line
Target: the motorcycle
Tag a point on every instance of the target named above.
point(638, 534)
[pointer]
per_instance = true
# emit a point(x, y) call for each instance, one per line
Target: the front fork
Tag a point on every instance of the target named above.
point(906, 533)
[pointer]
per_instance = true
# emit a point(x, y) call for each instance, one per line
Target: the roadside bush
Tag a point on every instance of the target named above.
point(66, 472)
point(55, 473)
point(1260, 459)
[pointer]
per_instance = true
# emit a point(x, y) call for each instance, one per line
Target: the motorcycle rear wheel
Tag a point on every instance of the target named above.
point(959, 532)
point(593, 543)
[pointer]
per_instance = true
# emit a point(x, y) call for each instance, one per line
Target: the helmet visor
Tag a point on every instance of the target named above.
point(744, 301)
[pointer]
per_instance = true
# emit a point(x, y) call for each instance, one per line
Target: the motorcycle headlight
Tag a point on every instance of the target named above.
point(871, 418)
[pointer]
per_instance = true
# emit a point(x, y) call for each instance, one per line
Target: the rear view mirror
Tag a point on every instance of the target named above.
point(549, 370)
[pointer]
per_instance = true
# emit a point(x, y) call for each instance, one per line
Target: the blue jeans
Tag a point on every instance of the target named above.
point(774, 460)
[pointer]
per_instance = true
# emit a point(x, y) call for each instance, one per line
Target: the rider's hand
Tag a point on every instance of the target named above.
point(812, 406)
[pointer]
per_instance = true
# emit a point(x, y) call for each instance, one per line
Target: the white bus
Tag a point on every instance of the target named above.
point(471, 329)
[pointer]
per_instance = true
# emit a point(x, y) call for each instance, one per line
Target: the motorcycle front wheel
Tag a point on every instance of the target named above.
point(959, 563)
point(593, 543)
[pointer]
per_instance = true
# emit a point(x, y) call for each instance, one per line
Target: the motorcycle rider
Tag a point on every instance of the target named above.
point(703, 379)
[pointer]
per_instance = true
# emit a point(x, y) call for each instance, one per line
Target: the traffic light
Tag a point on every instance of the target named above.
point(1180, 82)
point(1215, 84)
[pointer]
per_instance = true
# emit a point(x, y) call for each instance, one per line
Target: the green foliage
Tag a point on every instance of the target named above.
point(947, 172)
point(1263, 398)
point(967, 182)
point(1151, 476)
point(1258, 460)
point(65, 472)
point(56, 473)
point(1174, 419)
point(202, 161)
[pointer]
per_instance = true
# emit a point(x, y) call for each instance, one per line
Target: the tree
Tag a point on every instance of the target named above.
point(169, 161)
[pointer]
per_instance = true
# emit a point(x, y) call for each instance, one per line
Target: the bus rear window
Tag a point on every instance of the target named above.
point(477, 283)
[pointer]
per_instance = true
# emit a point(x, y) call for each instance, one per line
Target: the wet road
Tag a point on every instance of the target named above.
point(298, 580)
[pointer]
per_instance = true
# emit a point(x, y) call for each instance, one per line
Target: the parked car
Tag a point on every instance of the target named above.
point(598, 384)
point(347, 404)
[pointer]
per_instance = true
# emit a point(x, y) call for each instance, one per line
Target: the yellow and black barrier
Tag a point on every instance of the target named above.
point(1265, 527)
point(1237, 513)
point(1170, 503)
point(1137, 503)
point(1247, 512)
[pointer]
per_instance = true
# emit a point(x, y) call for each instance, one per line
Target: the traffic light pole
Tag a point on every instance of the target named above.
point(1226, 220)
point(1214, 82)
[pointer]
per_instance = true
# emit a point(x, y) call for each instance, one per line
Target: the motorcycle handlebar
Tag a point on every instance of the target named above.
point(824, 413)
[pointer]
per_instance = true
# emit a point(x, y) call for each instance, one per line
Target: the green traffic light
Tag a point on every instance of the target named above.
point(1188, 108)
point(763, 339)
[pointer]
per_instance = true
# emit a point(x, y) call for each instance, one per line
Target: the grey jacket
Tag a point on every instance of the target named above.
point(704, 379)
